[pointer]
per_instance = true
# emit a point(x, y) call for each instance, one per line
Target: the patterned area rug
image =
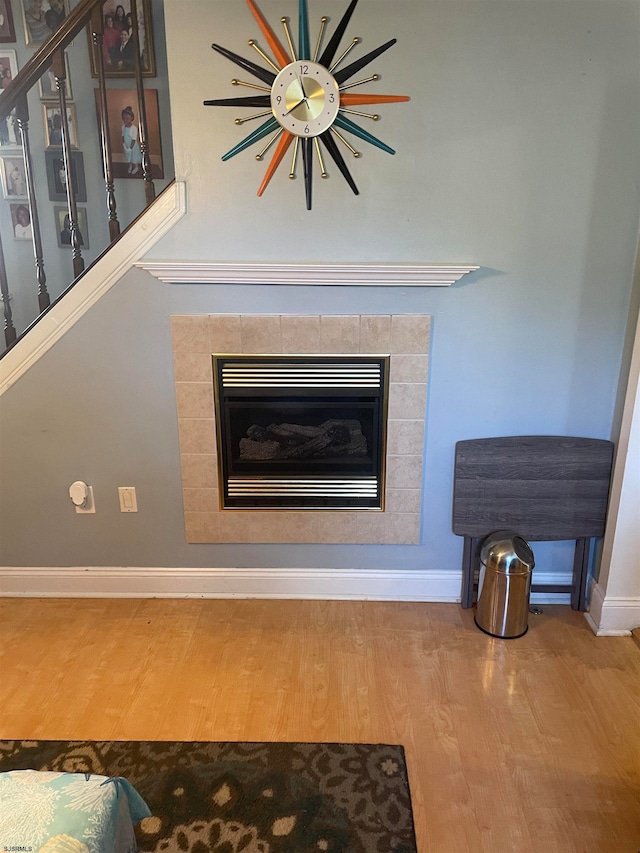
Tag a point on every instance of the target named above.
point(248, 797)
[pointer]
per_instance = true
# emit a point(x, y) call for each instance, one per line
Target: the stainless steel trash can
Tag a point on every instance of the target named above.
point(506, 563)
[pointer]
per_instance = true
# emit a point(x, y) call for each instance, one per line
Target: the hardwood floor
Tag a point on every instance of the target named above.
point(523, 745)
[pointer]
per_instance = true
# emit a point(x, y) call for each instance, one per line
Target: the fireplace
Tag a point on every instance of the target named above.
point(301, 432)
point(405, 337)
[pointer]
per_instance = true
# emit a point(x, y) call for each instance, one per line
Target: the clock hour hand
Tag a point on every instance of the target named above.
point(304, 94)
point(299, 104)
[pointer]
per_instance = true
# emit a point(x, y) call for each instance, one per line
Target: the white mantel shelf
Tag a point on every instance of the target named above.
point(376, 275)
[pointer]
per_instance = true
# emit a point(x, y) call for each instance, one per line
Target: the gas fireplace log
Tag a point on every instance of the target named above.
point(313, 446)
point(334, 437)
point(259, 450)
point(294, 432)
point(356, 447)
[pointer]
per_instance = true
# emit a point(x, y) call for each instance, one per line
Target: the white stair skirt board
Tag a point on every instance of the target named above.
point(366, 275)
point(156, 221)
point(354, 584)
point(612, 616)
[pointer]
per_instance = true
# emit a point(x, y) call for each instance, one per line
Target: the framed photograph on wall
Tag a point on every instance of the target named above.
point(52, 120)
point(62, 227)
point(42, 18)
point(57, 176)
point(7, 29)
point(12, 174)
point(122, 110)
point(21, 221)
point(8, 68)
point(117, 45)
point(47, 84)
point(9, 132)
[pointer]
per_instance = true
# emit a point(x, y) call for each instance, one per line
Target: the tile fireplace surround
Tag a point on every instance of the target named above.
point(404, 336)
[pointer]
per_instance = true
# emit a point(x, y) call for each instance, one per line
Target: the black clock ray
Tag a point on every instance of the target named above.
point(261, 73)
point(359, 64)
point(249, 101)
point(330, 144)
point(307, 165)
point(332, 45)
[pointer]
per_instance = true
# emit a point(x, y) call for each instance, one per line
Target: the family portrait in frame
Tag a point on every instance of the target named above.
point(57, 175)
point(123, 114)
point(21, 221)
point(7, 28)
point(52, 119)
point(8, 68)
point(117, 43)
point(42, 18)
point(47, 84)
point(14, 180)
point(9, 132)
point(63, 230)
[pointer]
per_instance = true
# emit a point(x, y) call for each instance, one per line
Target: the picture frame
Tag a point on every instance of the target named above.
point(117, 101)
point(7, 27)
point(8, 68)
point(56, 175)
point(21, 221)
point(47, 84)
point(61, 216)
point(9, 132)
point(116, 58)
point(41, 18)
point(13, 177)
point(51, 117)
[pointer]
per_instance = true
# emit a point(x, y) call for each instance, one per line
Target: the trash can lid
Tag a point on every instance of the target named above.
point(508, 552)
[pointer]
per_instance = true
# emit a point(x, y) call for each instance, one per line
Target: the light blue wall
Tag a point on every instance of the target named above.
point(519, 152)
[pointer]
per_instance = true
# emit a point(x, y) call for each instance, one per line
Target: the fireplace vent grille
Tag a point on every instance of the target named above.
point(319, 488)
point(247, 375)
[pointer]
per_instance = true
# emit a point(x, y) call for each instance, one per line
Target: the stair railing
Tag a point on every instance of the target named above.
point(14, 106)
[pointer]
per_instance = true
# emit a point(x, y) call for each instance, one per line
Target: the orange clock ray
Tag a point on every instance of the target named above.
point(279, 52)
point(360, 100)
point(305, 99)
point(281, 150)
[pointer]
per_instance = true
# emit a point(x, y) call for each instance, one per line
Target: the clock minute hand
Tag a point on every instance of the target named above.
point(303, 101)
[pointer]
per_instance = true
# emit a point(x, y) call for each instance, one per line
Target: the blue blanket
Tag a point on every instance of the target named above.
point(44, 812)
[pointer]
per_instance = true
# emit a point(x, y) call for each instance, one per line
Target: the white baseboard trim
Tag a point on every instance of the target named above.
point(358, 584)
point(612, 616)
point(159, 218)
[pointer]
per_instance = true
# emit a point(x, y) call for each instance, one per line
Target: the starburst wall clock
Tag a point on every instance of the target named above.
point(305, 98)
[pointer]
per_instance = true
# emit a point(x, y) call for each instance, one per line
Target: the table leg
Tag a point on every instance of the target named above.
point(580, 575)
point(468, 571)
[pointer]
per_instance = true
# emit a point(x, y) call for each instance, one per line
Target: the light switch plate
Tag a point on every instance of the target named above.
point(128, 501)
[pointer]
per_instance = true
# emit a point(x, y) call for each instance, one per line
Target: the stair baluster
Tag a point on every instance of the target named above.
point(10, 333)
point(22, 120)
point(59, 74)
point(149, 189)
point(97, 35)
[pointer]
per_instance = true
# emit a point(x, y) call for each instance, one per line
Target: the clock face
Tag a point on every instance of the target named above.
point(305, 98)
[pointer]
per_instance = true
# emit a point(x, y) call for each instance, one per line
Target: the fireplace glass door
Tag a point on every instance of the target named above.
point(301, 432)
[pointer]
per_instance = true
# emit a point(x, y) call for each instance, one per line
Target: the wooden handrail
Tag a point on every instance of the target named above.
point(29, 75)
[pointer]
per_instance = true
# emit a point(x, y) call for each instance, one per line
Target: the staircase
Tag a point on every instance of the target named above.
point(79, 212)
